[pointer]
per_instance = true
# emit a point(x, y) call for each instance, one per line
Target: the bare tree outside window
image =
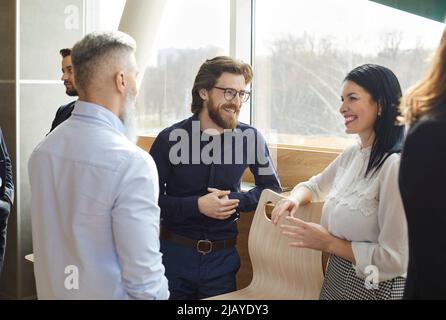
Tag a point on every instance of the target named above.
point(191, 31)
point(304, 52)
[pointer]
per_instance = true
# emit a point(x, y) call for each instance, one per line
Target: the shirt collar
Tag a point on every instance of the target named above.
point(364, 151)
point(97, 112)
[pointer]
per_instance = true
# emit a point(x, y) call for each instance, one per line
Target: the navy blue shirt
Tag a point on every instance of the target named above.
point(62, 114)
point(6, 185)
point(188, 166)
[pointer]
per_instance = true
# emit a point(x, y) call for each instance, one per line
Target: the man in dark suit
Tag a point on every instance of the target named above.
point(6, 195)
point(64, 112)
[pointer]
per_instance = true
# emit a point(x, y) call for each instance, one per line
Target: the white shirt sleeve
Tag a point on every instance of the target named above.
point(135, 223)
point(390, 254)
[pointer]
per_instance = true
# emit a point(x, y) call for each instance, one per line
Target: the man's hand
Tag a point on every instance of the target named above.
point(217, 205)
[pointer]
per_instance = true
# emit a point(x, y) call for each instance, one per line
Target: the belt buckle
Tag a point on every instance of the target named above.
point(203, 252)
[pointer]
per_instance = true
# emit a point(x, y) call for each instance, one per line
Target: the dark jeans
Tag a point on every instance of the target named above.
point(5, 209)
point(193, 276)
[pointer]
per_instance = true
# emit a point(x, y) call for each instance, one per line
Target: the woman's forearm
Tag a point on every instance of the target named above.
point(301, 195)
point(341, 248)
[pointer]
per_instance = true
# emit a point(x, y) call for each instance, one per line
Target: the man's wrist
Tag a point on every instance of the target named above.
point(198, 205)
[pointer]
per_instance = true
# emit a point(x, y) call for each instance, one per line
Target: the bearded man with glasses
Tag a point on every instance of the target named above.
point(201, 200)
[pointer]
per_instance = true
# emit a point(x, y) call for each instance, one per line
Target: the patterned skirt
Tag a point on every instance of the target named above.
point(342, 283)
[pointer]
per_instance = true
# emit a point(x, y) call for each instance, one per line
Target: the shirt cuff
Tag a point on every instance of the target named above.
point(314, 194)
point(239, 196)
point(363, 253)
point(9, 196)
point(191, 205)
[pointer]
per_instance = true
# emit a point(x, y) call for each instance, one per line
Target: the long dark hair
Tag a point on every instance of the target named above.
point(382, 84)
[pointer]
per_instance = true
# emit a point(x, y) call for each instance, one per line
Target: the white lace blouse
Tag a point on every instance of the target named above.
point(366, 211)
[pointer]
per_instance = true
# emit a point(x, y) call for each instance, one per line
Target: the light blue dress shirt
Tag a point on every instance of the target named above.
point(95, 214)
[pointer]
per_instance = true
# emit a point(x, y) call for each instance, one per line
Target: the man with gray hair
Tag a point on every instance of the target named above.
point(94, 193)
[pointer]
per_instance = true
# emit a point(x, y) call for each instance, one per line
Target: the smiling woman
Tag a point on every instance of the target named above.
point(359, 111)
point(363, 223)
point(374, 111)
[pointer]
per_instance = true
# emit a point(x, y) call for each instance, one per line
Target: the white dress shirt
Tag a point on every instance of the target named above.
point(95, 214)
point(366, 211)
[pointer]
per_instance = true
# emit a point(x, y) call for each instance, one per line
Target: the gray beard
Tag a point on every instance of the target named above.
point(129, 119)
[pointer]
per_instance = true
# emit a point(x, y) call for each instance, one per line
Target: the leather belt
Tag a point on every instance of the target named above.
point(204, 247)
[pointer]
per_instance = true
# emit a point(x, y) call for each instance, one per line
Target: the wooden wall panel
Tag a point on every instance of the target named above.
point(145, 143)
point(295, 165)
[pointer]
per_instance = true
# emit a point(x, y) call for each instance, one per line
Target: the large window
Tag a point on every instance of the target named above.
point(191, 31)
point(304, 49)
point(104, 14)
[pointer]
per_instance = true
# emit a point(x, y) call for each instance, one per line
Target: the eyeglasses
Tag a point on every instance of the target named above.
point(231, 93)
